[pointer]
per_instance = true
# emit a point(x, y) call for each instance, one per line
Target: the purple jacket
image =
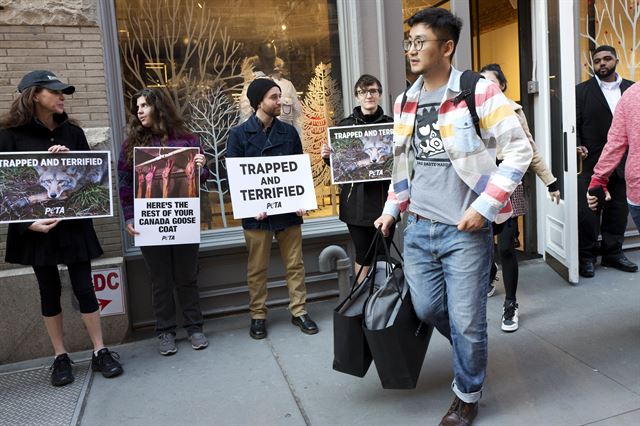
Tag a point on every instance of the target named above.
point(126, 175)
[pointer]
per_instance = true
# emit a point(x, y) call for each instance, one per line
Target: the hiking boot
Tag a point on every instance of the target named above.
point(460, 413)
point(105, 362)
point(167, 344)
point(62, 373)
point(510, 316)
point(198, 340)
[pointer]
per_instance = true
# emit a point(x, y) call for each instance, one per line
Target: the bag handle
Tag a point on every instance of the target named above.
point(388, 260)
point(374, 246)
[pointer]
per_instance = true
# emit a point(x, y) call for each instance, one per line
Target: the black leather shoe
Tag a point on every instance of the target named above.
point(587, 268)
point(105, 362)
point(621, 263)
point(460, 413)
point(306, 324)
point(258, 329)
point(62, 373)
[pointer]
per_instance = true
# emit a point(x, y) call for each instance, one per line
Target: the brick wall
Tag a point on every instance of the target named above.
point(75, 55)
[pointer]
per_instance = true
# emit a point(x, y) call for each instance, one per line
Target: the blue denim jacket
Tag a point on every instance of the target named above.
point(249, 140)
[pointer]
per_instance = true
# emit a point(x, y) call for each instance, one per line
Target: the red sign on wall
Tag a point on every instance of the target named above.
point(108, 285)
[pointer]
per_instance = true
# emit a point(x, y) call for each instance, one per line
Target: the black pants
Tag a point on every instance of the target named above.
point(50, 288)
point(508, 258)
point(362, 237)
point(174, 267)
point(613, 225)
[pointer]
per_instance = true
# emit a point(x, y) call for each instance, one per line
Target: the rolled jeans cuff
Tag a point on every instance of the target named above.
point(469, 398)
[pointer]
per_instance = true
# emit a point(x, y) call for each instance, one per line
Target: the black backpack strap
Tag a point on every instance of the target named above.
point(468, 82)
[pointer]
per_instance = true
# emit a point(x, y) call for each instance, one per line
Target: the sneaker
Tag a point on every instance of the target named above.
point(105, 362)
point(510, 317)
point(198, 340)
point(62, 373)
point(167, 345)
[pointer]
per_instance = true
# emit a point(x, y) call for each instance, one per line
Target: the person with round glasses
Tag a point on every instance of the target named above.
point(361, 203)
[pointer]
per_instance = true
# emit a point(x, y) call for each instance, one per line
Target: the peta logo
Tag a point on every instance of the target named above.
point(52, 77)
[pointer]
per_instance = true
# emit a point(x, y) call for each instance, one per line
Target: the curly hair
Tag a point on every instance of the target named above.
point(166, 121)
point(22, 109)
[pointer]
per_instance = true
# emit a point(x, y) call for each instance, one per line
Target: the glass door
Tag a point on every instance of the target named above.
point(555, 128)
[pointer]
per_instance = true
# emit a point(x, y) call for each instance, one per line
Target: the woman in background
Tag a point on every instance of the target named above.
point(507, 238)
point(36, 121)
point(362, 203)
point(154, 122)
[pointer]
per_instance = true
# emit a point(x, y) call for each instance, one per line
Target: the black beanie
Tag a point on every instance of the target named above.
point(257, 89)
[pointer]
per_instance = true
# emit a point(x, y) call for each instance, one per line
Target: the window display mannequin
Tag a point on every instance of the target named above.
point(266, 64)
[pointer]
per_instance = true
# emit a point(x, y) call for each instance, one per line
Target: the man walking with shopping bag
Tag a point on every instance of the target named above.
point(446, 181)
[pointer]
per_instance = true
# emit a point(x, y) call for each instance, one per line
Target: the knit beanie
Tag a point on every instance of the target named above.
point(257, 89)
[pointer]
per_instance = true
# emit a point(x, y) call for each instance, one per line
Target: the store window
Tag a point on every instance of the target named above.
point(206, 52)
point(615, 23)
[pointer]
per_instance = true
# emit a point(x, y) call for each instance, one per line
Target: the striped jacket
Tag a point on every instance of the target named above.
point(473, 159)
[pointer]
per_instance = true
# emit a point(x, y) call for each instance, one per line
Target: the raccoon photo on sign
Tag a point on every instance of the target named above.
point(40, 185)
point(361, 153)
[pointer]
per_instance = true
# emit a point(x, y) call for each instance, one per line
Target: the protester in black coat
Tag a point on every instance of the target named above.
point(362, 203)
point(36, 121)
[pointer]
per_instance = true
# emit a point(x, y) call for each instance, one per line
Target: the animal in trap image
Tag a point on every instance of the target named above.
point(361, 153)
point(66, 186)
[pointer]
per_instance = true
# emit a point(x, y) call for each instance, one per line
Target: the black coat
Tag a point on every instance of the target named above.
point(362, 203)
point(249, 140)
point(593, 119)
point(71, 241)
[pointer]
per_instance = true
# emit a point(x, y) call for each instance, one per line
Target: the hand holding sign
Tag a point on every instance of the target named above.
point(262, 186)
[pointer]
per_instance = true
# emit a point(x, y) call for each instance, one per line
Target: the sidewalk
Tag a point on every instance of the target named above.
point(575, 360)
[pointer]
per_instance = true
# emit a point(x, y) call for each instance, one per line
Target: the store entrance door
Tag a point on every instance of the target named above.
point(556, 118)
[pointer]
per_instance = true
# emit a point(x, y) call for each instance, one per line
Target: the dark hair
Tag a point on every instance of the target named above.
point(605, 48)
point(495, 68)
point(22, 109)
point(365, 81)
point(444, 24)
point(166, 121)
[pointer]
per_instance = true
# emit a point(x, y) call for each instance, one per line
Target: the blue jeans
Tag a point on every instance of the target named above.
point(448, 273)
point(635, 215)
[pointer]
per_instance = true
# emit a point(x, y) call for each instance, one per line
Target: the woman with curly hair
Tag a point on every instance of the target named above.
point(154, 122)
point(36, 121)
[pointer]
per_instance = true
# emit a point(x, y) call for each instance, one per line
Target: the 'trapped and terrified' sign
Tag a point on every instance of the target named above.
point(276, 185)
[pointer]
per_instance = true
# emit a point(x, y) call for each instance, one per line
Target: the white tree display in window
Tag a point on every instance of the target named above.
point(181, 46)
point(212, 117)
point(322, 103)
point(618, 25)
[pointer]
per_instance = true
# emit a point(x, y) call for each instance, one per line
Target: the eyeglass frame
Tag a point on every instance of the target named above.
point(366, 92)
point(414, 43)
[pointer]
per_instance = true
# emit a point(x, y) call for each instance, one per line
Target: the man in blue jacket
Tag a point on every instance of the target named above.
point(264, 135)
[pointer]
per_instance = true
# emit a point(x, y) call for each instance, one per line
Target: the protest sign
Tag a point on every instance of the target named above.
point(167, 196)
point(42, 185)
point(108, 285)
point(279, 184)
point(361, 153)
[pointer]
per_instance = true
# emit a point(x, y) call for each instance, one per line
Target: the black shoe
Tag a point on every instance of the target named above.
point(258, 329)
point(106, 364)
point(306, 324)
point(62, 373)
point(621, 263)
point(587, 268)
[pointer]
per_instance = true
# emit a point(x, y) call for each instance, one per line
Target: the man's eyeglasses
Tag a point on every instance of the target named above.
point(372, 92)
point(417, 43)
